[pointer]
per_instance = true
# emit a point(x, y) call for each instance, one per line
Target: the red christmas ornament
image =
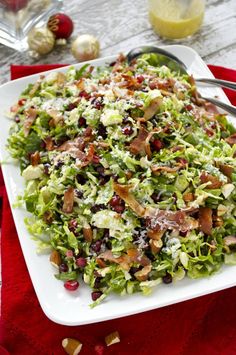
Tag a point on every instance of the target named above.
point(61, 25)
point(14, 5)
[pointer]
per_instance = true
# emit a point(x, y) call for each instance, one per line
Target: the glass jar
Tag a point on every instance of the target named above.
point(176, 19)
point(18, 17)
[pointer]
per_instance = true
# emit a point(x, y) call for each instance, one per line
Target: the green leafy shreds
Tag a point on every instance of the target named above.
point(136, 128)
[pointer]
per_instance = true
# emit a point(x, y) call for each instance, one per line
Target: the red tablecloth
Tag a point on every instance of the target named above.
point(206, 325)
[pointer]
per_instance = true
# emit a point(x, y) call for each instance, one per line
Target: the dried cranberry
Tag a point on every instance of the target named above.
point(157, 145)
point(96, 246)
point(63, 267)
point(81, 179)
point(71, 285)
point(96, 208)
point(140, 79)
point(152, 85)
point(97, 282)
point(102, 131)
point(17, 119)
point(73, 225)
point(119, 208)
point(96, 159)
point(115, 201)
point(59, 164)
point(183, 233)
point(71, 106)
point(46, 168)
point(104, 180)
point(78, 193)
point(84, 94)
point(156, 197)
point(42, 144)
point(97, 102)
point(100, 170)
point(95, 295)
point(189, 107)
point(82, 122)
point(167, 279)
point(106, 233)
point(127, 130)
point(182, 161)
point(21, 102)
point(81, 262)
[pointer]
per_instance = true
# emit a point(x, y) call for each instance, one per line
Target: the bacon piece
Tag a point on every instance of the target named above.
point(150, 111)
point(68, 200)
point(142, 275)
point(215, 183)
point(57, 117)
point(188, 197)
point(35, 158)
point(205, 220)
point(227, 170)
point(124, 192)
point(158, 169)
point(138, 145)
point(161, 219)
point(147, 140)
point(77, 143)
point(125, 261)
point(49, 143)
point(31, 114)
point(155, 234)
point(231, 140)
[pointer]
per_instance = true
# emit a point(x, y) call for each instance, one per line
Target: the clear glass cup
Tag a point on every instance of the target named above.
point(175, 19)
point(18, 17)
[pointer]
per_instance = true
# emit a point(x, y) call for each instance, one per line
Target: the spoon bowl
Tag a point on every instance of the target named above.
point(168, 59)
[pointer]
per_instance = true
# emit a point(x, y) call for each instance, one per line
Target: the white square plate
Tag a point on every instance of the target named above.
point(73, 308)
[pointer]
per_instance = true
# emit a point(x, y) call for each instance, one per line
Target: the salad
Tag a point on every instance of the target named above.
point(130, 176)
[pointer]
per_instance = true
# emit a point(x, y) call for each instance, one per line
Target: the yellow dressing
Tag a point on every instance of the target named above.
point(176, 18)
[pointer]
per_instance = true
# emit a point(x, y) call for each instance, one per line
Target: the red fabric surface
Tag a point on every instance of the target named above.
point(206, 325)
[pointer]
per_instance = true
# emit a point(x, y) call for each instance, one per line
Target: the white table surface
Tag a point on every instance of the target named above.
point(123, 24)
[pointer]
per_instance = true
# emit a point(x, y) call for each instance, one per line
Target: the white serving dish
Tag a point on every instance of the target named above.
point(72, 308)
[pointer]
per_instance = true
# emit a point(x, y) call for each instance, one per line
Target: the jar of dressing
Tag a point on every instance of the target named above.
point(176, 19)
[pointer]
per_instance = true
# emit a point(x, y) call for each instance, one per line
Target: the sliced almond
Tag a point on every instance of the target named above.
point(71, 346)
point(55, 258)
point(112, 338)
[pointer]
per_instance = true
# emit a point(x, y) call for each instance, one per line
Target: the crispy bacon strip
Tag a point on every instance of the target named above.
point(49, 143)
point(35, 158)
point(77, 143)
point(231, 139)
point(138, 145)
point(215, 183)
point(68, 200)
point(150, 111)
point(227, 170)
point(57, 117)
point(126, 260)
point(124, 192)
point(161, 219)
point(158, 169)
point(205, 220)
point(31, 114)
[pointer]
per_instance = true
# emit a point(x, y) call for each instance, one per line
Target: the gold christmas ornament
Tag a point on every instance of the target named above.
point(85, 47)
point(41, 40)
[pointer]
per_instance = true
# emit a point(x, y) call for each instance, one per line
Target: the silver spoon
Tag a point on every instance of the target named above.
point(171, 61)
